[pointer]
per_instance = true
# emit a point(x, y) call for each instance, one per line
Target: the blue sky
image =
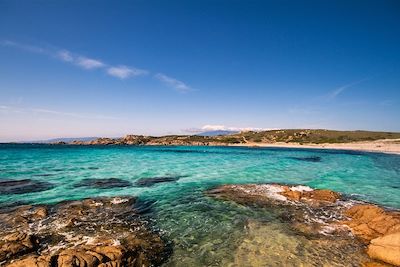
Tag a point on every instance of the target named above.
point(109, 68)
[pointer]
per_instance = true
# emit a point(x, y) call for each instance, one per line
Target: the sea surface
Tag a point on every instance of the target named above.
point(203, 231)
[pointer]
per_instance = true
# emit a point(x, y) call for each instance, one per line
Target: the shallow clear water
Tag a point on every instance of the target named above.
point(204, 231)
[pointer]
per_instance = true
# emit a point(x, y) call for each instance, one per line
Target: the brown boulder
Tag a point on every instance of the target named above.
point(321, 195)
point(15, 244)
point(32, 261)
point(386, 248)
point(369, 221)
point(316, 195)
point(93, 232)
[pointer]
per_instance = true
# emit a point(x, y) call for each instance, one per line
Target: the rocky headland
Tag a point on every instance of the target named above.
point(353, 231)
point(291, 138)
point(102, 232)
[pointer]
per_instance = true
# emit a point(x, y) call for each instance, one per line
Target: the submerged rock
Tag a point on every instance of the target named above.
point(92, 232)
point(103, 183)
point(273, 244)
point(155, 180)
point(326, 216)
point(23, 186)
point(309, 159)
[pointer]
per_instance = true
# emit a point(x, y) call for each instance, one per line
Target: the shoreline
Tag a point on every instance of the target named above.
point(387, 146)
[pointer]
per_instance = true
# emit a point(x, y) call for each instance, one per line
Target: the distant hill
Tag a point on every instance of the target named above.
point(66, 140)
point(217, 132)
point(306, 136)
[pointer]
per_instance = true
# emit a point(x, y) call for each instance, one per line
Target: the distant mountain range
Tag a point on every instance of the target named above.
point(66, 140)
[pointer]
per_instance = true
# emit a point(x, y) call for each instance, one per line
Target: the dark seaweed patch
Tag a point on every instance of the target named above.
point(144, 206)
point(23, 186)
point(93, 168)
point(156, 180)
point(309, 159)
point(103, 183)
point(44, 174)
point(11, 205)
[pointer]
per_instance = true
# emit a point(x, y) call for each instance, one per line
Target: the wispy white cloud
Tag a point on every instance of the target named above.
point(334, 93)
point(84, 62)
point(87, 63)
point(24, 110)
point(65, 56)
point(81, 61)
point(124, 72)
point(174, 83)
point(25, 47)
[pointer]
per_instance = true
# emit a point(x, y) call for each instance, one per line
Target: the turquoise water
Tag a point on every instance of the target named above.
point(197, 225)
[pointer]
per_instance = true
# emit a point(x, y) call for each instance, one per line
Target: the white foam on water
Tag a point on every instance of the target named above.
point(301, 188)
point(118, 200)
point(97, 204)
point(268, 190)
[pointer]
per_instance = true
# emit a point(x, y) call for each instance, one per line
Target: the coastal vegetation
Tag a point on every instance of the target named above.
point(302, 136)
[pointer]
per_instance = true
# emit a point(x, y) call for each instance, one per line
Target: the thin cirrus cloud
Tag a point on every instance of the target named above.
point(26, 110)
point(336, 92)
point(173, 83)
point(124, 72)
point(81, 61)
point(119, 71)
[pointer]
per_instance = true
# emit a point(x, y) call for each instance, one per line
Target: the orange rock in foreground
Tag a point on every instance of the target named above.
point(316, 194)
point(375, 226)
point(386, 248)
point(379, 227)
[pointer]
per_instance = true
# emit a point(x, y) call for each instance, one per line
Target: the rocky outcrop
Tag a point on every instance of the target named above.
point(316, 212)
point(386, 248)
point(378, 228)
point(171, 140)
point(92, 232)
point(276, 194)
point(15, 244)
point(369, 221)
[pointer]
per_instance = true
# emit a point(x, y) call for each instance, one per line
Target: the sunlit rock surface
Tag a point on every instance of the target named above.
point(91, 232)
point(316, 227)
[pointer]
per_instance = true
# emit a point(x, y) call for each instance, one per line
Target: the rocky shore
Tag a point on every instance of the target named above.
point(355, 231)
point(305, 227)
point(100, 232)
point(283, 139)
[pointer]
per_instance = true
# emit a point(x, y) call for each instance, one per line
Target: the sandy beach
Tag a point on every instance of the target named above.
point(391, 146)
